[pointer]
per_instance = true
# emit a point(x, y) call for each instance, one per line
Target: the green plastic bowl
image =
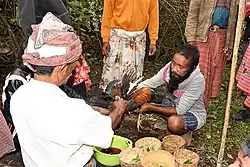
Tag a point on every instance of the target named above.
point(113, 160)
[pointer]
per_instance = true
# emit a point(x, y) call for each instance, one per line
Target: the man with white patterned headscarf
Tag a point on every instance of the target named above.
point(53, 129)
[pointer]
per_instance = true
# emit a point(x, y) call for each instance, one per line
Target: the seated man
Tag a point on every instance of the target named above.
point(16, 78)
point(53, 129)
point(184, 79)
point(243, 159)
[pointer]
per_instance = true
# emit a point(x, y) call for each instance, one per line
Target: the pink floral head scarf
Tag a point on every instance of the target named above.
point(52, 43)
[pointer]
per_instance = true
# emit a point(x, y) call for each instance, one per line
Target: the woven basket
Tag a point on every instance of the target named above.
point(158, 158)
point(186, 158)
point(148, 144)
point(172, 143)
point(131, 157)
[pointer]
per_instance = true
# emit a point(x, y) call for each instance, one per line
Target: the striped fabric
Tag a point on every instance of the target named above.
point(223, 4)
point(212, 63)
point(190, 121)
point(243, 76)
point(6, 142)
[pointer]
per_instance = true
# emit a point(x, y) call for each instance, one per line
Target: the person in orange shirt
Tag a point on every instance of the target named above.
point(124, 39)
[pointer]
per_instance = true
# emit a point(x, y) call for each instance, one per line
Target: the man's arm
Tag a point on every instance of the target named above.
point(187, 100)
point(156, 80)
point(116, 115)
point(106, 19)
point(163, 110)
point(120, 107)
point(82, 125)
point(192, 20)
point(153, 26)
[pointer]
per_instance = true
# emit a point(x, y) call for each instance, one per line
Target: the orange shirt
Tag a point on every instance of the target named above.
point(131, 15)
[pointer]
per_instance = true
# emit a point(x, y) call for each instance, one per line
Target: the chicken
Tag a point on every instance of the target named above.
point(125, 88)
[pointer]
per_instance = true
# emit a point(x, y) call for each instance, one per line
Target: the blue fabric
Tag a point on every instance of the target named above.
point(190, 121)
point(167, 102)
point(220, 17)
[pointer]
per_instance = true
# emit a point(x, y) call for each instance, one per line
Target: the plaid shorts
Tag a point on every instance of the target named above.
point(190, 121)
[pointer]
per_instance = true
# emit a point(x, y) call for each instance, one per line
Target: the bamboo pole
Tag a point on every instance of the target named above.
point(241, 16)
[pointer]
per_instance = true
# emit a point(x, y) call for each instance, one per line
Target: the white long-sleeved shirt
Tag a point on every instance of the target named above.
point(55, 130)
point(189, 93)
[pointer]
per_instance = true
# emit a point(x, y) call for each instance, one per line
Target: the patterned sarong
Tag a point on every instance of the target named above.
point(6, 141)
point(212, 63)
point(127, 51)
point(243, 76)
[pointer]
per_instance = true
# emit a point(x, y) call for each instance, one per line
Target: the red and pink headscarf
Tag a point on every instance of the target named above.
point(54, 43)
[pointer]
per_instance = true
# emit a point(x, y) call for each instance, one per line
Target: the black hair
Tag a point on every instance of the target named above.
point(190, 52)
point(43, 70)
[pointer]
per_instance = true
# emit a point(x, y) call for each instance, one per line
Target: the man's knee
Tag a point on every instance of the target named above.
point(176, 124)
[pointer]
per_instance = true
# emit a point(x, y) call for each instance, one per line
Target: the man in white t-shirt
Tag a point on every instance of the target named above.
point(55, 130)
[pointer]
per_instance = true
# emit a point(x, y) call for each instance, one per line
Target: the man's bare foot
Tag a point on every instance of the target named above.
point(188, 138)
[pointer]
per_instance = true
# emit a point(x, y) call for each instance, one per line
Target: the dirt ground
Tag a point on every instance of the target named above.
point(128, 128)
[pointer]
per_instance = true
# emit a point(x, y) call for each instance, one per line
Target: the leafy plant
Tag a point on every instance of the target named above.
point(86, 15)
point(188, 161)
point(147, 148)
point(136, 159)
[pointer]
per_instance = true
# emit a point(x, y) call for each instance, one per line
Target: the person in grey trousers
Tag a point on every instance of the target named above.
point(32, 12)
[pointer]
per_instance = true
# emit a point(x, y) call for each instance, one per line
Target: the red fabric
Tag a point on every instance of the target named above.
point(82, 74)
point(247, 102)
point(247, 8)
point(243, 74)
point(6, 141)
point(212, 63)
point(52, 32)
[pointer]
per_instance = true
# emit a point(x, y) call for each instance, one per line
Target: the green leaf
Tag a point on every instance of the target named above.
point(136, 159)
point(188, 161)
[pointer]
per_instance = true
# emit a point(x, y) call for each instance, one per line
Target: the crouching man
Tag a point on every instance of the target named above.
point(54, 129)
point(184, 80)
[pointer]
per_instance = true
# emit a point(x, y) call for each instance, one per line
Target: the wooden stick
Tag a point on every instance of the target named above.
point(241, 16)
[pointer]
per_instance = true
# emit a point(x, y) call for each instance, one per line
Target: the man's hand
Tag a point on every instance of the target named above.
point(152, 49)
point(101, 110)
point(144, 108)
point(105, 49)
point(121, 105)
